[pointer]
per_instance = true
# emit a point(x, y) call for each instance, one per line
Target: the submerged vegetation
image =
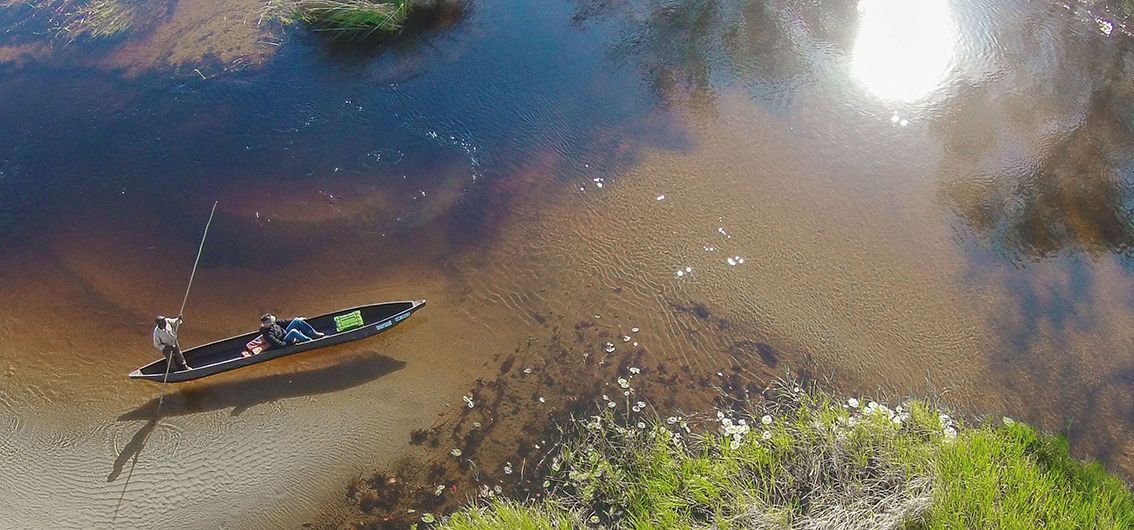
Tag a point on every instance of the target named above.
point(72, 19)
point(807, 460)
point(101, 18)
point(347, 18)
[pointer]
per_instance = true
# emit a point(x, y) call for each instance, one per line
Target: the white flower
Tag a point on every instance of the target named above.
point(611, 404)
point(766, 420)
point(498, 489)
point(508, 468)
point(468, 401)
point(427, 518)
point(625, 338)
point(542, 400)
point(608, 347)
point(527, 370)
point(636, 408)
point(604, 398)
point(671, 420)
point(440, 489)
point(950, 433)
point(635, 370)
point(853, 403)
point(635, 330)
point(622, 382)
point(641, 425)
point(735, 431)
point(455, 452)
point(734, 444)
point(626, 393)
point(720, 415)
point(640, 404)
point(767, 435)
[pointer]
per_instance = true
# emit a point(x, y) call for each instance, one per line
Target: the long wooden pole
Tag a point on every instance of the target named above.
point(199, 250)
point(157, 413)
point(177, 339)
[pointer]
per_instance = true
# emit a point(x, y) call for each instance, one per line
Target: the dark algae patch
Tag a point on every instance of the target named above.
point(502, 440)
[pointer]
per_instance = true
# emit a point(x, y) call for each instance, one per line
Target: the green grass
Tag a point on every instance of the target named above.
point(508, 514)
point(806, 460)
point(346, 18)
point(1013, 477)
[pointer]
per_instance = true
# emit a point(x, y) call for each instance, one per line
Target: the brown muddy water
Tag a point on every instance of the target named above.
point(895, 198)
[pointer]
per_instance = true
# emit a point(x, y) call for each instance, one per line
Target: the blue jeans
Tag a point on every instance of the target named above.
point(298, 331)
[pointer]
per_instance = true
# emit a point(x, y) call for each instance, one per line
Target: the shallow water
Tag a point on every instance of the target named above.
point(896, 198)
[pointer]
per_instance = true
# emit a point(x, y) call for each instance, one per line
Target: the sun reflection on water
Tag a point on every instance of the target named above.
point(904, 48)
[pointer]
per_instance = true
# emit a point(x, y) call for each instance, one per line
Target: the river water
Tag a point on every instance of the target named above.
point(895, 198)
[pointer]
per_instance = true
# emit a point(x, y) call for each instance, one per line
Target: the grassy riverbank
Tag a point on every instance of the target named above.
point(807, 460)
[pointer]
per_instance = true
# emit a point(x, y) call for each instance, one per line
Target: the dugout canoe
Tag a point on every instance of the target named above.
point(226, 354)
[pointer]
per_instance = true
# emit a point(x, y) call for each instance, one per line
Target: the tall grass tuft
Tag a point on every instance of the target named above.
point(346, 18)
point(102, 18)
point(72, 19)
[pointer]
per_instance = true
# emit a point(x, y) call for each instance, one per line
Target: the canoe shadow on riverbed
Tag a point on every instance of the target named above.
point(246, 393)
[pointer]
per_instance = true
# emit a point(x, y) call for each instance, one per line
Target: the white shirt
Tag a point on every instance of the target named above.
point(166, 337)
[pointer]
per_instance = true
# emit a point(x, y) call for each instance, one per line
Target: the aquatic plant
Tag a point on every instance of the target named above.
point(347, 18)
point(72, 19)
point(803, 459)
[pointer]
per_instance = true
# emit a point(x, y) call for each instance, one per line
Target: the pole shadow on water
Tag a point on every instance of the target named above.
point(243, 394)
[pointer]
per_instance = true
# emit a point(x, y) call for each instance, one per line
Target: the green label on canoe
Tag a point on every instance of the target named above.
point(348, 320)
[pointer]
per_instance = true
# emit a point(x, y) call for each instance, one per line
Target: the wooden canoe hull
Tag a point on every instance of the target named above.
point(224, 355)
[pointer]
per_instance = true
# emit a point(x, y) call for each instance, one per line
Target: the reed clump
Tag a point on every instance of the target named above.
point(346, 18)
point(102, 18)
point(73, 19)
point(806, 460)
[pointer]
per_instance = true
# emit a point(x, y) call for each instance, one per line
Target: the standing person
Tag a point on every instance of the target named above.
point(279, 333)
point(165, 340)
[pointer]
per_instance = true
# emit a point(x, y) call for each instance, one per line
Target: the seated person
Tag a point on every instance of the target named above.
point(279, 333)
